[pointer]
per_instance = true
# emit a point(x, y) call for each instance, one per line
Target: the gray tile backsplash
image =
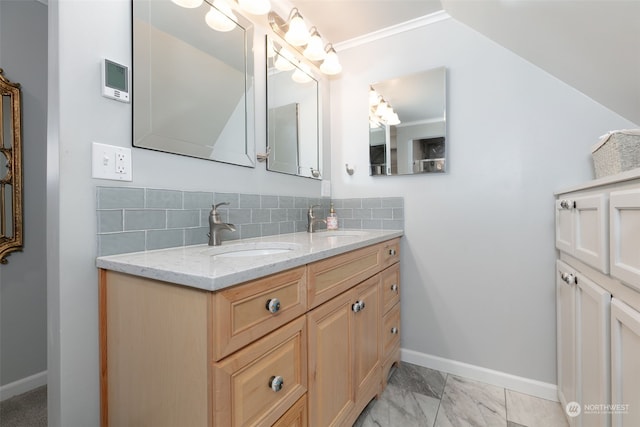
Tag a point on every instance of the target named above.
point(136, 219)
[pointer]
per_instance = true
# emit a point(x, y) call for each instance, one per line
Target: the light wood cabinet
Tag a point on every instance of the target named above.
point(254, 354)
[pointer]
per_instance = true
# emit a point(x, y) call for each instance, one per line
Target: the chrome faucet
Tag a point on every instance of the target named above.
point(216, 225)
point(312, 220)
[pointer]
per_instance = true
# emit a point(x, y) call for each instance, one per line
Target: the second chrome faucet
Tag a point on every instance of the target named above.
point(312, 220)
point(216, 225)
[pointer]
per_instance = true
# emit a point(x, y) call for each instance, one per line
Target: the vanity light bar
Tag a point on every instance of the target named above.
point(294, 32)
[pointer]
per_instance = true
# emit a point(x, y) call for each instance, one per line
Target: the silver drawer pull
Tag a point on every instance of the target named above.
point(568, 278)
point(276, 383)
point(567, 204)
point(273, 305)
point(394, 330)
point(394, 288)
point(392, 252)
point(357, 306)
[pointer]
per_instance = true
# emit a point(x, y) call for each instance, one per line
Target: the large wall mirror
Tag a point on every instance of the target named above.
point(407, 124)
point(193, 88)
point(293, 119)
point(10, 169)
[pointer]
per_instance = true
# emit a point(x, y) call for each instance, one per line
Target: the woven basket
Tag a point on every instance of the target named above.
point(617, 152)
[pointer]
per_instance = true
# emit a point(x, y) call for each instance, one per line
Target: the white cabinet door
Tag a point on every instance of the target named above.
point(592, 231)
point(564, 225)
point(566, 337)
point(625, 364)
point(625, 236)
point(582, 229)
point(593, 380)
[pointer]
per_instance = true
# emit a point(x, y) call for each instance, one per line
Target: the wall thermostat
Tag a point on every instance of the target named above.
point(115, 81)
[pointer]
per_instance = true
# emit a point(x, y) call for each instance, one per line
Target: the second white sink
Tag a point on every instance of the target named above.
point(250, 249)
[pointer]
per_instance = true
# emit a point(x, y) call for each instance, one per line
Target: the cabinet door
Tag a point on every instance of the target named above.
point(566, 326)
point(625, 236)
point(564, 225)
point(367, 341)
point(592, 231)
point(625, 366)
point(331, 344)
point(593, 349)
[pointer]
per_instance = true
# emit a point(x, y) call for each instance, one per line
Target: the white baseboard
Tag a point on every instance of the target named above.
point(23, 385)
point(501, 379)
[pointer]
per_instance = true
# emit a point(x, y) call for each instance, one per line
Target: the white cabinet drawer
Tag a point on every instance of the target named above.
point(582, 229)
point(625, 236)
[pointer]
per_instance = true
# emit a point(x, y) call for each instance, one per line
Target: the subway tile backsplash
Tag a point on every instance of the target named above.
point(135, 219)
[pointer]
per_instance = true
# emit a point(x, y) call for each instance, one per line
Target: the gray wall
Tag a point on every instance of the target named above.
point(23, 291)
point(478, 252)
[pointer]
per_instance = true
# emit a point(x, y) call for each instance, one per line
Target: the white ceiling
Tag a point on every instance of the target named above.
point(592, 45)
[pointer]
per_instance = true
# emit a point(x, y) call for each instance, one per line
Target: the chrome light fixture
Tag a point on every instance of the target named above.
point(255, 7)
point(331, 65)
point(294, 32)
point(297, 34)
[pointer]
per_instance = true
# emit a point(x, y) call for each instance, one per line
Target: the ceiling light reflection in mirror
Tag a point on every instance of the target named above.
point(293, 121)
point(407, 124)
point(193, 89)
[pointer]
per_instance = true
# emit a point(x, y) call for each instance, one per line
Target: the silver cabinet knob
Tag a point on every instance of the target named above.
point(276, 383)
point(358, 306)
point(394, 288)
point(568, 278)
point(394, 330)
point(392, 252)
point(567, 204)
point(273, 305)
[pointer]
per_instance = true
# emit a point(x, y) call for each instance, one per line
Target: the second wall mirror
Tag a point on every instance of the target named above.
point(293, 114)
point(407, 124)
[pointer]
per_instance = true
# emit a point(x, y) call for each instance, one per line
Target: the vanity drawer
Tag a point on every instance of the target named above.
point(390, 287)
point(390, 331)
point(249, 311)
point(243, 381)
point(296, 416)
point(332, 276)
point(390, 252)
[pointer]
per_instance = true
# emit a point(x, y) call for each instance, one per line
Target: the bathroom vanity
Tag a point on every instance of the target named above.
point(598, 300)
point(288, 330)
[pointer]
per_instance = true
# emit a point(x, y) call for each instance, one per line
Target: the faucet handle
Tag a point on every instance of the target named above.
point(313, 206)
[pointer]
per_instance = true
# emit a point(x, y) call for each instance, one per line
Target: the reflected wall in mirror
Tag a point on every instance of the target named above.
point(293, 120)
point(407, 124)
point(10, 169)
point(193, 91)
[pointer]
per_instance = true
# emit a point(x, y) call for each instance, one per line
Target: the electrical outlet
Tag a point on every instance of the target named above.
point(111, 162)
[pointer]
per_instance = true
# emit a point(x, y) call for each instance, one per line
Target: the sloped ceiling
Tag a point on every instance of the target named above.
point(592, 45)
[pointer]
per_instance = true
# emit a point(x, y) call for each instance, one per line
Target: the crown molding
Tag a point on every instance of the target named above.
point(394, 29)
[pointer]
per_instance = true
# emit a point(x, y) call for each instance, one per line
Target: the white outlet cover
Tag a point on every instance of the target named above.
point(111, 162)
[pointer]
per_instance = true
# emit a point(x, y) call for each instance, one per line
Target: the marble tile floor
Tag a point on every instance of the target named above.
point(422, 397)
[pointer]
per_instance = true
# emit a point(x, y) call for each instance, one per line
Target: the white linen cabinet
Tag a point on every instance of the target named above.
point(598, 300)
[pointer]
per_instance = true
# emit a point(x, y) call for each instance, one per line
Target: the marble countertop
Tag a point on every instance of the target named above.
point(216, 267)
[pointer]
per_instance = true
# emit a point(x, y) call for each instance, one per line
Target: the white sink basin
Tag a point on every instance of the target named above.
point(252, 249)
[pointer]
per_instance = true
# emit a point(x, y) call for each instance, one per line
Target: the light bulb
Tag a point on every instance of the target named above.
point(374, 98)
point(314, 50)
point(284, 60)
point(220, 17)
point(298, 34)
point(189, 4)
point(301, 74)
point(255, 7)
point(331, 65)
point(393, 119)
point(382, 109)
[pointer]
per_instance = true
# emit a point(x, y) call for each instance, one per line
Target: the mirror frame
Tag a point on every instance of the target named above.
point(13, 177)
point(245, 157)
